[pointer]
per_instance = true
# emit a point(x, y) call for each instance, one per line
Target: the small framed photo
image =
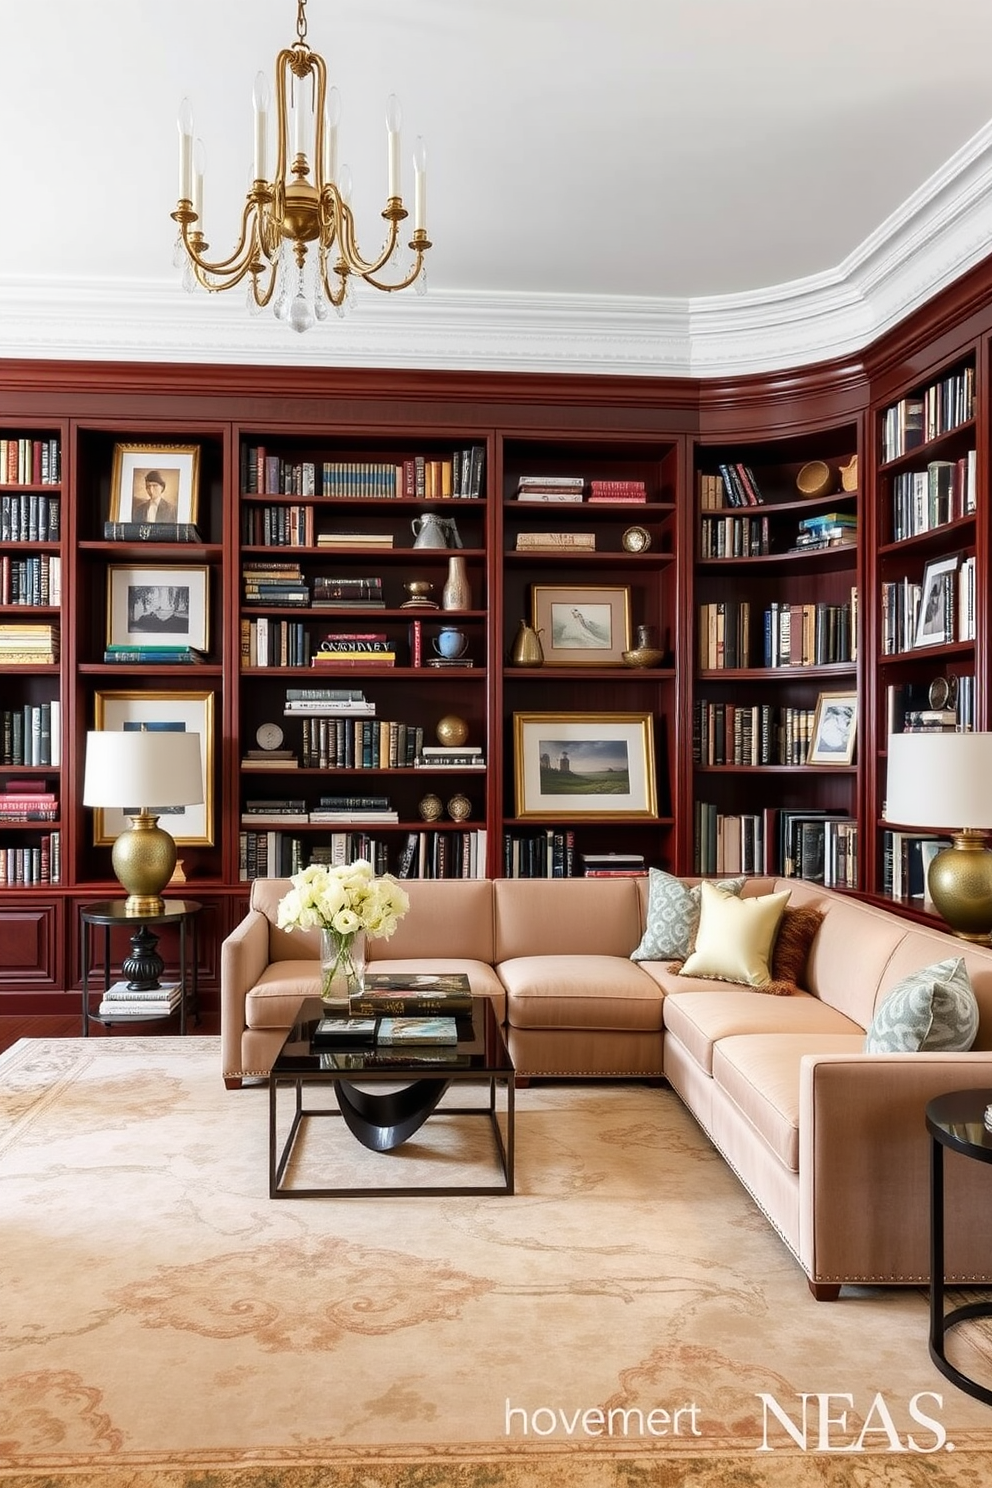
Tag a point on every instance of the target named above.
point(584, 766)
point(151, 607)
point(835, 729)
point(177, 712)
point(582, 626)
point(936, 622)
point(155, 483)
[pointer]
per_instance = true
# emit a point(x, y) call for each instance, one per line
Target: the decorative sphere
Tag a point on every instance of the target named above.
point(452, 730)
point(431, 807)
point(459, 808)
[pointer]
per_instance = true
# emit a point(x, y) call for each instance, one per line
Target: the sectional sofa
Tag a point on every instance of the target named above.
point(829, 1139)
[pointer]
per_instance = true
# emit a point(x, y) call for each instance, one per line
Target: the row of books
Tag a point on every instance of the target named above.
point(906, 859)
point(271, 642)
point(939, 610)
point(453, 854)
point(925, 499)
point(30, 516)
point(734, 537)
point(28, 645)
point(30, 461)
point(917, 419)
point(27, 800)
point(122, 1001)
point(32, 734)
point(813, 634)
point(734, 485)
point(756, 734)
point(817, 845)
point(34, 863)
point(459, 475)
point(278, 526)
point(31, 581)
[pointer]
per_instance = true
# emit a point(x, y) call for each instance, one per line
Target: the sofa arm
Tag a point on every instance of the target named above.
point(864, 1169)
point(244, 955)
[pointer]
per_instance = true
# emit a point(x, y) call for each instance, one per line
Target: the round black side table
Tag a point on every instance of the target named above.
point(111, 914)
point(957, 1122)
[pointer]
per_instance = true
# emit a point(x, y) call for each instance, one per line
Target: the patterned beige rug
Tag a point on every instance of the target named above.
point(627, 1318)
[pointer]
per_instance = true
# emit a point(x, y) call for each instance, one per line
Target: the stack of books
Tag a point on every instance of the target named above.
point(27, 800)
point(346, 810)
point(29, 645)
point(613, 865)
point(617, 490)
point(354, 540)
point(369, 649)
point(451, 757)
point(550, 541)
point(427, 994)
point(828, 530)
point(273, 813)
point(121, 1001)
point(550, 488)
point(274, 583)
point(313, 702)
point(348, 592)
point(153, 655)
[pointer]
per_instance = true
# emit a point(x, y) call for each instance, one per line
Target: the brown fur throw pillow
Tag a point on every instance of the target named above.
point(791, 950)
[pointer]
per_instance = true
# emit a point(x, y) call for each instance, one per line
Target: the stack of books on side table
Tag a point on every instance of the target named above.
point(122, 1001)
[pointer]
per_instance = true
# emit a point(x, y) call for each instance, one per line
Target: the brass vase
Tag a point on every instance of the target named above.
point(527, 649)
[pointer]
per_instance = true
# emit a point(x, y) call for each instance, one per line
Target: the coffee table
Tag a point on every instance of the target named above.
point(413, 1082)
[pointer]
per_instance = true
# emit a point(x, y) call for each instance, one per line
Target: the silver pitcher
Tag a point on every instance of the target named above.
point(432, 531)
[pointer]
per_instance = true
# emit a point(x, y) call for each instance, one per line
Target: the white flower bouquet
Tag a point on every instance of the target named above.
point(347, 904)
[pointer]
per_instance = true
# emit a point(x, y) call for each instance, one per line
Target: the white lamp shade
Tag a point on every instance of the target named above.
point(940, 780)
point(148, 769)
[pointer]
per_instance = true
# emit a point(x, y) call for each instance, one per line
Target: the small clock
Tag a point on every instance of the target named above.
point(269, 736)
point(636, 540)
point(943, 692)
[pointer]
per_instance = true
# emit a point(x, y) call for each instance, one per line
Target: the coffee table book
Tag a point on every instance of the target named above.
point(417, 1031)
point(332, 1032)
point(391, 993)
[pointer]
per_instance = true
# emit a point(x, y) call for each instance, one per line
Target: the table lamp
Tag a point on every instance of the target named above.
point(141, 772)
point(943, 781)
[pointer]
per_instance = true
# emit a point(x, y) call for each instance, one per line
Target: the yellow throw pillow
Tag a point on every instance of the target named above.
point(735, 937)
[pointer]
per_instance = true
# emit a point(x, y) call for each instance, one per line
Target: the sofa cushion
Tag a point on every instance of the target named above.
point(672, 916)
point(581, 991)
point(566, 917)
point(790, 953)
point(933, 1009)
point(760, 1074)
point(700, 1019)
point(735, 937)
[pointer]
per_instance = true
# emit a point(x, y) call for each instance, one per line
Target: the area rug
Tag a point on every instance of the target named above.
point(627, 1319)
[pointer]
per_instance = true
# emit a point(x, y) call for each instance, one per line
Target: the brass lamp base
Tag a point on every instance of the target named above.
point(143, 858)
point(960, 884)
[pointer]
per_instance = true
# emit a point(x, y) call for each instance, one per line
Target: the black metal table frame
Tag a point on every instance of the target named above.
point(95, 916)
point(405, 1109)
point(941, 1321)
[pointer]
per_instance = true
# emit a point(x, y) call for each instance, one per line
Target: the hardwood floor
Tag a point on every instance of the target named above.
point(67, 1025)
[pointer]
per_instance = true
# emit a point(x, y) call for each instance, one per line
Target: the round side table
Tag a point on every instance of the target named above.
point(957, 1122)
point(111, 914)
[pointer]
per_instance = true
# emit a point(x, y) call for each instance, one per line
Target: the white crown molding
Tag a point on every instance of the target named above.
point(939, 233)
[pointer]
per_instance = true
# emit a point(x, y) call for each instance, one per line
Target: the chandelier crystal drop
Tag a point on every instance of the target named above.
point(298, 248)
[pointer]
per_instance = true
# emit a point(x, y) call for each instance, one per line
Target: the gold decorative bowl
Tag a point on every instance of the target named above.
point(815, 479)
point(644, 656)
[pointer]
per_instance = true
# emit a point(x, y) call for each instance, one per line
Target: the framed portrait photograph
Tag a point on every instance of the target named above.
point(154, 483)
point(151, 607)
point(835, 729)
point(587, 626)
point(575, 766)
point(936, 621)
point(176, 712)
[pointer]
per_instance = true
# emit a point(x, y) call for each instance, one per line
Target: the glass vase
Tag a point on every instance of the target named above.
point(342, 969)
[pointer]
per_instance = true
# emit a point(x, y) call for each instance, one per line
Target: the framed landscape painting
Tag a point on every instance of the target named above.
point(154, 483)
point(587, 626)
point(164, 606)
point(575, 766)
point(176, 712)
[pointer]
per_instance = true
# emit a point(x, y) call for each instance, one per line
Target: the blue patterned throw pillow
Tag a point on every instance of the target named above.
point(933, 1010)
point(672, 917)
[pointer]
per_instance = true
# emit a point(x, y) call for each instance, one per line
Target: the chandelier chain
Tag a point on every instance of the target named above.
point(301, 21)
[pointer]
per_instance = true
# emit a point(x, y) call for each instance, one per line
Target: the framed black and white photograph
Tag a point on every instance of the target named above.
point(580, 766)
point(151, 607)
point(835, 729)
point(935, 623)
point(173, 712)
point(587, 626)
point(154, 483)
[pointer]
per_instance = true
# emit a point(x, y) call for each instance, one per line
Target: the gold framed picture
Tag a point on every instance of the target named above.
point(176, 712)
point(154, 483)
point(582, 626)
point(835, 729)
point(575, 766)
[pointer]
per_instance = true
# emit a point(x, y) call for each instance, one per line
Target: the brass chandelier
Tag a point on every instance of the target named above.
point(304, 205)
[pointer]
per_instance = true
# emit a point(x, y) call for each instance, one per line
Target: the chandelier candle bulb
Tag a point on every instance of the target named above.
point(394, 118)
point(185, 150)
point(260, 101)
point(199, 168)
point(332, 115)
point(420, 185)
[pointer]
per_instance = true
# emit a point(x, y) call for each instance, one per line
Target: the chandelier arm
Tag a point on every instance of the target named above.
point(248, 248)
point(344, 221)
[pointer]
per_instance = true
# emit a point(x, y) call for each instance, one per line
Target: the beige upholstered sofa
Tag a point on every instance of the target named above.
point(828, 1139)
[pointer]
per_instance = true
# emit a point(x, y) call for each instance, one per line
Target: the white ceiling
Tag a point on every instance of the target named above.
point(649, 185)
